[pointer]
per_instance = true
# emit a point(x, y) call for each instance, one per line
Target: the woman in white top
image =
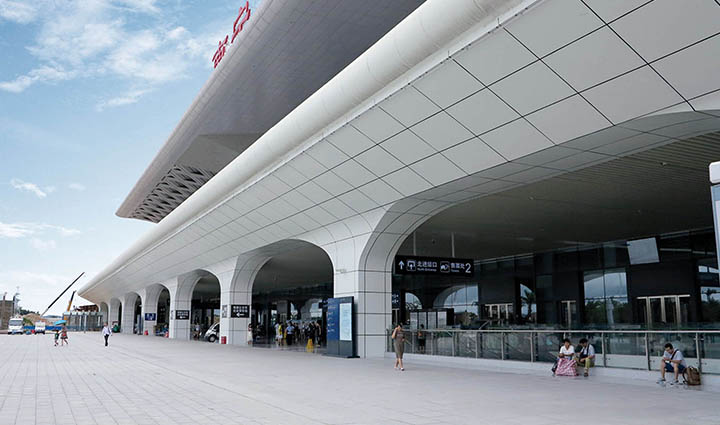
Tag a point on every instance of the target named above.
point(566, 360)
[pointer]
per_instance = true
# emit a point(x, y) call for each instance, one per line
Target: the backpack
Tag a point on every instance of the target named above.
point(692, 376)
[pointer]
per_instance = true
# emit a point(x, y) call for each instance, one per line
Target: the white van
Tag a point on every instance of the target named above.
point(15, 326)
point(39, 328)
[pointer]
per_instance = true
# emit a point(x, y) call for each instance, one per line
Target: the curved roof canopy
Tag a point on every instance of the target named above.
point(285, 53)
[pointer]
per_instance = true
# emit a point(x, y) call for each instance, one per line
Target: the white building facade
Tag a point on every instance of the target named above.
point(458, 102)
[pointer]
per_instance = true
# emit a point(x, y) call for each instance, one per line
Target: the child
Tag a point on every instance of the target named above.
point(57, 336)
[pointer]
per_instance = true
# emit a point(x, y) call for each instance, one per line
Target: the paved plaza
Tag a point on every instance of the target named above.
point(148, 380)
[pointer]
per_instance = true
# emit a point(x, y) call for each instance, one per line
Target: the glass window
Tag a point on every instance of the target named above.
point(615, 283)
point(528, 303)
point(710, 298)
point(412, 302)
point(606, 299)
point(472, 294)
point(594, 285)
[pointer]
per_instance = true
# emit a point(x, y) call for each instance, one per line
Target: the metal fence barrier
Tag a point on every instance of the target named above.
point(629, 349)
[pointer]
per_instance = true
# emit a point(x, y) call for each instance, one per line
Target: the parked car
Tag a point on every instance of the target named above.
point(212, 334)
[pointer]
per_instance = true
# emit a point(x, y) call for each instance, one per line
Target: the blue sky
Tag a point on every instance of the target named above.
point(89, 91)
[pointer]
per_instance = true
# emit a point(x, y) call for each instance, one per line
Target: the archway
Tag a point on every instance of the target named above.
point(292, 287)
point(163, 312)
point(137, 317)
point(104, 313)
point(131, 308)
point(205, 307)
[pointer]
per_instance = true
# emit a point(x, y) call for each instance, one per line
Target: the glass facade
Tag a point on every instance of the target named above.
point(588, 286)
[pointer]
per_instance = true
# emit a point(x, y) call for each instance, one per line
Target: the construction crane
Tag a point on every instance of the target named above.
point(70, 302)
point(61, 294)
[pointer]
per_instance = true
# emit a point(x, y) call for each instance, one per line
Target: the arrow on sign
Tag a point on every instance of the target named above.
point(401, 264)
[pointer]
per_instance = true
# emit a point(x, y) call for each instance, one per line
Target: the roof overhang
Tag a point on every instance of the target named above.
point(286, 52)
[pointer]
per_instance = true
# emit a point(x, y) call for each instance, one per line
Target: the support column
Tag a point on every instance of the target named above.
point(370, 284)
point(179, 300)
point(114, 305)
point(236, 276)
point(104, 309)
point(149, 298)
point(128, 313)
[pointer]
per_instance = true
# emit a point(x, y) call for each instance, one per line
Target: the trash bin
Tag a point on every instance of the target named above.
point(223, 340)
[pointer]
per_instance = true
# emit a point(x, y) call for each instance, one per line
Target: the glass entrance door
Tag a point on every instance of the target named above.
point(666, 310)
point(568, 313)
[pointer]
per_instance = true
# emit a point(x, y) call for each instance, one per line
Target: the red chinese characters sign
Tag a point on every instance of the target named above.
point(243, 16)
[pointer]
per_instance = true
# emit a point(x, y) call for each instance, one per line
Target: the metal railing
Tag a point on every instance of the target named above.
point(630, 349)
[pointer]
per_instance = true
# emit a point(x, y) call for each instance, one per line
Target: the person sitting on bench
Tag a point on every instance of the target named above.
point(673, 361)
point(586, 358)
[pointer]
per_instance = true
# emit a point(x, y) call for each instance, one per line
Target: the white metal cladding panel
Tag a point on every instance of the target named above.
point(532, 128)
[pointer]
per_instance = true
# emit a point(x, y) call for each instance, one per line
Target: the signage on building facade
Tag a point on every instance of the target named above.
point(182, 314)
point(223, 311)
point(150, 316)
point(239, 311)
point(395, 300)
point(434, 265)
point(242, 18)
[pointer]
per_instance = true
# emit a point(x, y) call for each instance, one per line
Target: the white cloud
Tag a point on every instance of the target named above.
point(21, 278)
point(21, 230)
point(77, 186)
point(46, 74)
point(42, 245)
point(50, 189)
point(127, 99)
point(21, 12)
point(90, 38)
point(37, 290)
point(64, 231)
point(143, 6)
point(27, 186)
point(15, 230)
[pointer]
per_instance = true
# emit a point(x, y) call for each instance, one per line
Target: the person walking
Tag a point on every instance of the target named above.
point(290, 333)
point(63, 336)
point(106, 332)
point(57, 336)
point(279, 334)
point(421, 339)
point(398, 337)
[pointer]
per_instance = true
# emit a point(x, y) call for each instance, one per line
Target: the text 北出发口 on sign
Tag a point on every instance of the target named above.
point(243, 16)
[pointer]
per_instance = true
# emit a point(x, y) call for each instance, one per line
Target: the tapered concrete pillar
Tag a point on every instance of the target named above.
point(149, 297)
point(104, 313)
point(114, 307)
point(236, 276)
point(370, 285)
point(128, 312)
point(180, 289)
